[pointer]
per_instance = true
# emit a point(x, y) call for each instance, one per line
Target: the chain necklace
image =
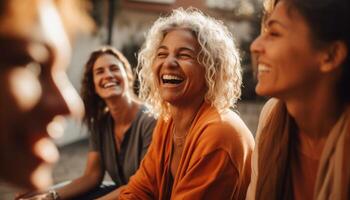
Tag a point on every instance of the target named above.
point(179, 141)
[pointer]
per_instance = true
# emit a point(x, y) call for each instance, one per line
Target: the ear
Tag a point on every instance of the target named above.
point(334, 56)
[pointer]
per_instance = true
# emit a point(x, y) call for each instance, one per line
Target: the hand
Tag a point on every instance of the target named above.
point(45, 196)
point(50, 195)
point(25, 195)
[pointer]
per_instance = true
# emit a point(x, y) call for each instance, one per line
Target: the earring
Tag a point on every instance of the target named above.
point(105, 110)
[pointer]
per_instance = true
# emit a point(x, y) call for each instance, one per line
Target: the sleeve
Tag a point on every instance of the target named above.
point(254, 176)
point(254, 162)
point(93, 141)
point(147, 132)
point(211, 177)
point(143, 184)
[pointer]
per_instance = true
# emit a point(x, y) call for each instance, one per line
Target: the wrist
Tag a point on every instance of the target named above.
point(54, 194)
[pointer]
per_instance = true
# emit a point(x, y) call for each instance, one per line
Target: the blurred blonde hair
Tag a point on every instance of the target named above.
point(218, 55)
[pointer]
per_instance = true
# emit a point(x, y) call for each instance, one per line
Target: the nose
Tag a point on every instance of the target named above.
point(63, 98)
point(257, 46)
point(108, 73)
point(170, 61)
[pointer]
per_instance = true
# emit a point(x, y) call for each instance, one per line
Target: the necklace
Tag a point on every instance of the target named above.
point(179, 141)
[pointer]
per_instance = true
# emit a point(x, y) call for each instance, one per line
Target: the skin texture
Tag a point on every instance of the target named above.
point(108, 69)
point(177, 55)
point(36, 93)
point(285, 49)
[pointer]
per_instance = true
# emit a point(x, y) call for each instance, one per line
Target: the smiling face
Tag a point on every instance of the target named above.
point(110, 78)
point(288, 63)
point(179, 76)
point(35, 92)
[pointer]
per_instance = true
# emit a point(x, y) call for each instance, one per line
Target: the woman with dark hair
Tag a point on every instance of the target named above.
point(120, 129)
point(303, 138)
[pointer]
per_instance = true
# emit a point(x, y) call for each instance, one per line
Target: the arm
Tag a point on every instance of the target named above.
point(213, 176)
point(220, 163)
point(254, 176)
point(91, 178)
point(143, 185)
point(254, 162)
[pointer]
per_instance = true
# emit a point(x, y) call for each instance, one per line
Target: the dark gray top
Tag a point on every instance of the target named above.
point(122, 165)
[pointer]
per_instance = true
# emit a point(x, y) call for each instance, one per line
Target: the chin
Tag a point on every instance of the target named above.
point(169, 99)
point(113, 95)
point(263, 91)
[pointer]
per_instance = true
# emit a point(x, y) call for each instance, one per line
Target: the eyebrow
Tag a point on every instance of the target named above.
point(111, 65)
point(97, 69)
point(271, 22)
point(179, 49)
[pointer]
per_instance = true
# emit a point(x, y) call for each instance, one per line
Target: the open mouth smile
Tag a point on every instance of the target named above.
point(110, 84)
point(171, 79)
point(263, 68)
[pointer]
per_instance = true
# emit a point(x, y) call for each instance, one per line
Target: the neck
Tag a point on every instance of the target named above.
point(183, 116)
point(122, 109)
point(315, 114)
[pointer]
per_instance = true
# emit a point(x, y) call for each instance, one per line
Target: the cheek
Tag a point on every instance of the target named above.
point(155, 67)
point(123, 76)
point(199, 73)
point(95, 81)
point(25, 87)
point(154, 71)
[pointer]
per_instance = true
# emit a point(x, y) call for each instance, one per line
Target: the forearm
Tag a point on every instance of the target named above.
point(78, 187)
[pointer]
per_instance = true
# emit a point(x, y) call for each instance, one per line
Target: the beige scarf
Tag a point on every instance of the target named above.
point(333, 174)
point(333, 178)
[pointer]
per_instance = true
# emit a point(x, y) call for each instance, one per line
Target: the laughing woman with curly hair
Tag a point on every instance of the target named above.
point(190, 77)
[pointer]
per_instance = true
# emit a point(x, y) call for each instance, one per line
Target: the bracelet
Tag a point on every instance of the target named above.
point(54, 195)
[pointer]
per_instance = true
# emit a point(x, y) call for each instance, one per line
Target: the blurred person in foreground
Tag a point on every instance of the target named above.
point(35, 49)
point(190, 77)
point(303, 138)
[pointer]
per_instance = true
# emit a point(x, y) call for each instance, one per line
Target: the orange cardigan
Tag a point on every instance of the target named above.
point(215, 163)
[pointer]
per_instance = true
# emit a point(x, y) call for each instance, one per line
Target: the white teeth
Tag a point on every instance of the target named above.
point(263, 68)
point(110, 84)
point(171, 77)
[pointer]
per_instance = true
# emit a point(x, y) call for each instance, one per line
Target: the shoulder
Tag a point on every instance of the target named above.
point(268, 107)
point(144, 120)
point(101, 125)
point(145, 116)
point(226, 126)
point(228, 132)
point(264, 115)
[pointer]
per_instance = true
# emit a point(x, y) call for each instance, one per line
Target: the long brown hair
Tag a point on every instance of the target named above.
point(274, 154)
point(94, 104)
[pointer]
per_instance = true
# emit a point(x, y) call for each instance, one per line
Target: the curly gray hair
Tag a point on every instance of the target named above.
point(218, 55)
